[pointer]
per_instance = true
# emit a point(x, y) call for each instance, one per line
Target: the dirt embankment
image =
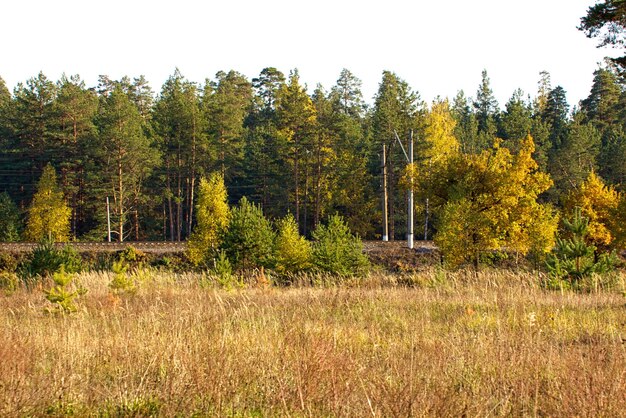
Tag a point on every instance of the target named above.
point(392, 255)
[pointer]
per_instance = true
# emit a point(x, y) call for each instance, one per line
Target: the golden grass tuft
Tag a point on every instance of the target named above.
point(427, 344)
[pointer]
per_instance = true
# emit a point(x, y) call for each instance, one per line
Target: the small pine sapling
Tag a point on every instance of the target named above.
point(122, 282)
point(63, 293)
point(573, 257)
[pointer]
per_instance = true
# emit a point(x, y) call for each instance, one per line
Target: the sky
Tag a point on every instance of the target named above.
point(438, 47)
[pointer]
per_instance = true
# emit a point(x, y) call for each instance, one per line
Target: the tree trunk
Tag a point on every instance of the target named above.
point(169, 201)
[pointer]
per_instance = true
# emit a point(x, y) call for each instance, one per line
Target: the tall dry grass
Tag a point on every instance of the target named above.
point(456, 345)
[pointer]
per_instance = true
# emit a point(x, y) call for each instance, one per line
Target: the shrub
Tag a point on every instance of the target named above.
point(131, 255)
point(249, 239)
point(8, 282)
point(8, 262)
point(46, 259)
point(336, 250)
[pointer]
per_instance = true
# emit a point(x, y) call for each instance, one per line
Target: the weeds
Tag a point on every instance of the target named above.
point(492, 343)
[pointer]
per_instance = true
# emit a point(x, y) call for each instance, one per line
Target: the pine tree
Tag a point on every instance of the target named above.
point(10, 224)
point(180, 126)
point(347, 95)
point(226, 109)
point(126, 156)
point(396, 111)
point(602, 106)
point(336, 250)
point(606, 20)
point(353, 191)
point(516, 122)
point(486, 107)
point(31, 121)
point(48, 215)
point(573, 257)
point(466, 130)
point(296, 118)
point(265, 169)
point(577, 156)
point(249, 239)
point(556, 116)
point(74, 132)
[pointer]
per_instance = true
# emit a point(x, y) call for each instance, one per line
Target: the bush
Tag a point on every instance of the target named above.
point(337, 251)
point(8, 263)
point(46, 259)
point(8, 282)
point(131, 255)
point(249, 239)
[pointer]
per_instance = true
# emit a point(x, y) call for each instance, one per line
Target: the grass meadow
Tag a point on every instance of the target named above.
point(426, 344)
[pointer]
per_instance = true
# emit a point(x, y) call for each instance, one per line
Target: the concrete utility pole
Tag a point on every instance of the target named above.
point(385, 220)
point(108, 220)
point(409, 160)
point(410, 217)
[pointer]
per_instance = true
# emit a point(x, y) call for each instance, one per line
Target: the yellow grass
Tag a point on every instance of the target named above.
point(456, 345)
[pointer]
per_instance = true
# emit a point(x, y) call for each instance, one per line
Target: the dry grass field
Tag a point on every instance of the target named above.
point(492, 344)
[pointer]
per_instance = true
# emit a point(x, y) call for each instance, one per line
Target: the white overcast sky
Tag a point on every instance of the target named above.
point(438, 47)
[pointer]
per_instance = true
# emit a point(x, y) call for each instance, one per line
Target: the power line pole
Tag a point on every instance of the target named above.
point(108, 220)
point(426, 222)
point(385, 220)
point(409, 160)
point(410, 210)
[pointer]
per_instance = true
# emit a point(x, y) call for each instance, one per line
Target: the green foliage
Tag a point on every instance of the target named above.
point(212, 215)
point(336, 250)
point(131, 255)
point(63, 293)
point(292, 251)
point(606, 21)
point(223, 272)
point(10, 224)
point(48, 215)
point(573, 258)
point(71, 259)
point(122, 282)
point(249, 239)
point(8, 262)
point(222, 267)
point(9, 282)
point(125, 155)
point(46, 259)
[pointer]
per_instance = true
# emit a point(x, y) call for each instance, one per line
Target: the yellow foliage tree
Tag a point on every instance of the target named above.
point(436, 148)
point(48, 215)
point(439, 140)
point(212, 214)
point(598, 203)
point(489, 202)
point(292, 251)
